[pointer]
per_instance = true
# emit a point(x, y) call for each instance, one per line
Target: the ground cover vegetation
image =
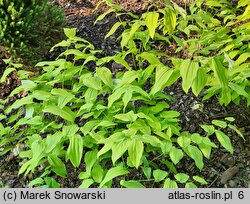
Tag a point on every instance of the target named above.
point(77, 111)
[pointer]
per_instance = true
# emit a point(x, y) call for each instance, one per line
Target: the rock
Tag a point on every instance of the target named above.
point(228, 174)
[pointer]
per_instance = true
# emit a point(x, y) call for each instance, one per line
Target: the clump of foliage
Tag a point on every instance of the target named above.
point(120, 123)
point(29, 28)
point(111, 122)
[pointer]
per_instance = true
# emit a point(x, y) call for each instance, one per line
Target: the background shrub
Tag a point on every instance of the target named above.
point(28, 28)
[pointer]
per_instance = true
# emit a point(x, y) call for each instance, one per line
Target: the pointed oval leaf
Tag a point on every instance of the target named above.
point(131, 184)
point(176, 155)
point(159, 175)
point(135, 151)
point(64, 113)
point(170, 184)
point(200, 180)
point(112, 173)
point(224, 141)
point(151, 20)
point(181, 177)
point(90, 159)
point(75, 149)
point(105, 75)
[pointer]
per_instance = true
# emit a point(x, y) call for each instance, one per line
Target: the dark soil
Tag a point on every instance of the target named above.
point(222, 170)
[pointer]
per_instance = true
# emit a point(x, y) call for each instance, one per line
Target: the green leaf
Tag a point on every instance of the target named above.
point(200, 180)
point(151, 20)
point(126, 98)
point(199, 81)
point(208, 128)
point(64, 113)
point(127, 117)
point(170, 21)
point(102, 16)
point(131, 184)
point(51, 183)
point(188, 71)
point(170, 184)
point(64, 43)
point(220, 71)
point(126, 37)
point(70, 32)
point(105, 75)
point(37, 149)
point(86, 183)
point(41, 95)
point(159, 175)
point(160, 106)
point(20, 102)
point(105, 149)
point(224, 141)
point(238, 89)
point(181, 177)
point(154, 141)
point(128, 77)
point(91, 82)
point(219, 123)
point(112, 173)
point(64, 96)
point(57, 165)
point(75, 149)
point(213, 3)
point(151, 58)
point(2, 116)
point(116, 95)
point(147, 172)
point(90, 159)
point(97, 173)
point(196, 138)
point(243, 57)
point(170, 114)
point(237, 131)
point(163, 77)
point(183, 141)
point(176, 155)
point(120, 60)
point(6, 73)
point(242, 3)
point(196, 155)
point(135, 151)
point(230, 119)
point(37, 181)
point(52, 141)
point(190, 185)
point(118, 149)
point(206, 150)
point(90, 95)
point(114, 28)
point(69, 130)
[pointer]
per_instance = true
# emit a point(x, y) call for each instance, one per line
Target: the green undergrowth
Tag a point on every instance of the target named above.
point(118, 124)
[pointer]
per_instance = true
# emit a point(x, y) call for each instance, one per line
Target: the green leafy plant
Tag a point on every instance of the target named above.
point(112, 123)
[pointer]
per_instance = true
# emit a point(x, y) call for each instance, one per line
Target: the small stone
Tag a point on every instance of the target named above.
point(232, 183)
